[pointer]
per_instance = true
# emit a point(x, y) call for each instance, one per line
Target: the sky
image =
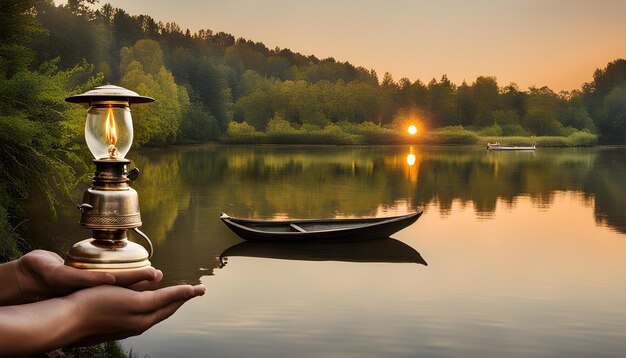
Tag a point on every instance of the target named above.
point(552, 43)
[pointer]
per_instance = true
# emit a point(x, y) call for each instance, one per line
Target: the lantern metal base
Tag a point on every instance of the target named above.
point(107, 255)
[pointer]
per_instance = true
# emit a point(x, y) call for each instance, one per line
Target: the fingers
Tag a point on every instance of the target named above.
point(141, 323)
point(166, 311)
point(147, 284)
point(107, 319)
point(144, 286)
point(54, 255)
point(171, 308)
point(46, 254)
point(132, 277)
point(75, 278)
point(156, 300)
point(148, 276)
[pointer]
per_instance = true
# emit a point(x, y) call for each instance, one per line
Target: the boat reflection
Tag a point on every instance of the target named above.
point(381, 250)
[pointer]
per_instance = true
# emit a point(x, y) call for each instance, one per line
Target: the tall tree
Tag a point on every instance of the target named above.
point(160, 122)
point(442, 102)
point(19, 25)
point(208, 82)
point(613, 120)
point(596, 98)
point(486, 100)
point(541, 115)
point(466, 104)
point(389, 91)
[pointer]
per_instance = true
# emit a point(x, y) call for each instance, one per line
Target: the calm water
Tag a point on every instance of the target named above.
point(525, 252)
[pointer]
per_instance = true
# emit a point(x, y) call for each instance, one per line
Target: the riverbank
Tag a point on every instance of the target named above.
point(370, 134)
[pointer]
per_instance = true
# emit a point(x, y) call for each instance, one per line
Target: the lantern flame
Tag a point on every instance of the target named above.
point(110, 128)
point(110, 131)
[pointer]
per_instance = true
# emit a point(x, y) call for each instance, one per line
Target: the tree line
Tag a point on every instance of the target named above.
point(209, 79)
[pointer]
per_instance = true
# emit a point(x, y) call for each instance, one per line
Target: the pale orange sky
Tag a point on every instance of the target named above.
point(535, 42)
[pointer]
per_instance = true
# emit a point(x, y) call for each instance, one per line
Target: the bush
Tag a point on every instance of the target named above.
point(242, 133)
point(10, 242)
point(513, 129)
point(370, 133)
point(584, 138)
point(335, 135)
point(198, 124)
point(452, 135)
point(494, 130)
point(111, 349)
point(568, 131)
point(280, 131)
point(279, 126)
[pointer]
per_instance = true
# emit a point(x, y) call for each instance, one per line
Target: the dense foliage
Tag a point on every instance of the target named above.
point(38, 133)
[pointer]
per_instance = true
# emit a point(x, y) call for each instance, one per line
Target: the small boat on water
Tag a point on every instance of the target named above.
point(316, 229)
point(498, 146)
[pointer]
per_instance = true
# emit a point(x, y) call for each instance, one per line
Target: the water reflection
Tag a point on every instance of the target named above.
point(410, 159)
point(383, 250)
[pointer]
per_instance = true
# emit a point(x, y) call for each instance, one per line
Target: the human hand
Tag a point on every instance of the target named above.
point(106, 313)
point(88, 316)
point(42, 274)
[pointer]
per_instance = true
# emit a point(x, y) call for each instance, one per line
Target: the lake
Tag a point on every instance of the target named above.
point(522, 254)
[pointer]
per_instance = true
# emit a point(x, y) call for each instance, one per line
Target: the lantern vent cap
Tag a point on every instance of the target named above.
point(109, 93)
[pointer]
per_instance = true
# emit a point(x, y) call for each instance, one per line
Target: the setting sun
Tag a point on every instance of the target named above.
point(412, 130)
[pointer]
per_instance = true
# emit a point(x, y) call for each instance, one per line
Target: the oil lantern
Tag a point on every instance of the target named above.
point(110, 207)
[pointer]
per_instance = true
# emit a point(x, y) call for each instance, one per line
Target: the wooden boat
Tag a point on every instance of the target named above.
point(385, 250)
point(498, 146)
point(331, 229)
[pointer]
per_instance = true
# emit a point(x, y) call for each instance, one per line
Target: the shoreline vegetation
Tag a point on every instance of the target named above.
point(281, 132)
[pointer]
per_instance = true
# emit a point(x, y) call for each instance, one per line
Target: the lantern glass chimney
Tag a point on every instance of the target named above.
point(109, 130)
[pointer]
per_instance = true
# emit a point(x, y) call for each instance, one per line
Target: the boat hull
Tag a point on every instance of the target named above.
point(331, 230)
point(511, 148)
point(498, 146)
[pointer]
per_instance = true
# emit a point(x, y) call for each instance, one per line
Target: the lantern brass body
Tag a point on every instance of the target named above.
point(110, 208)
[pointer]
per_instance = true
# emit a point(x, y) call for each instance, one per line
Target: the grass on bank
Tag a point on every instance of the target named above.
point(280, 131)
point(111, 349)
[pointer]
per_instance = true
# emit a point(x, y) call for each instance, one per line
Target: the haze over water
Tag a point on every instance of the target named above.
point(523, 254)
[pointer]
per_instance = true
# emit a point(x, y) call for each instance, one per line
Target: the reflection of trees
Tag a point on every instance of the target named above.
point(322, 182)
point(482, 178)
point(162, 195)
point(310, 182)
point(182, 190)
point(355, 181)
point(268, 181)
point(606, 182)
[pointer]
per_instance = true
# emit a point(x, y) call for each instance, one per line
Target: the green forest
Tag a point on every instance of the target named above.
point(212, 87)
